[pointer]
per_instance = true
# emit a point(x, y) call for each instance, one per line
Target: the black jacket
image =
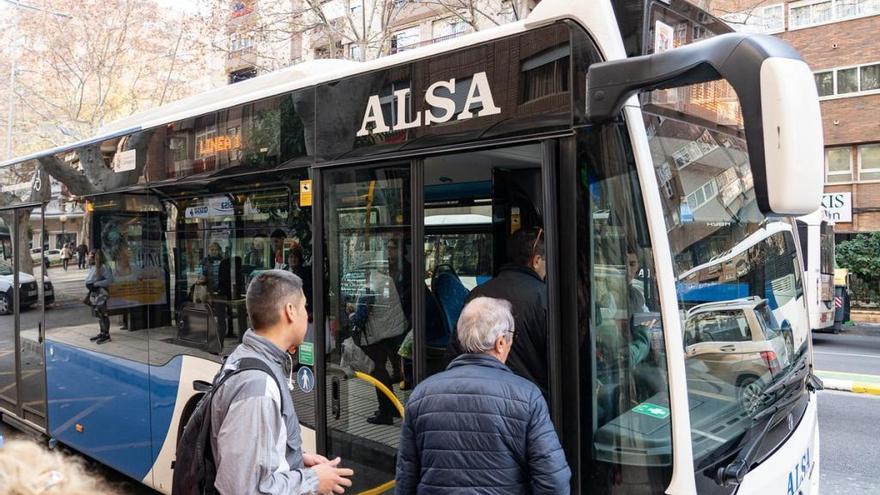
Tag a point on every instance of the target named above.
point(478, 428)
point(527, 294)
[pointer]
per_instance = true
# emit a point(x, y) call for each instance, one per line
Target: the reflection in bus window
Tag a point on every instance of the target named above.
point(368, 301)
point(625, 387)
point(739, 283)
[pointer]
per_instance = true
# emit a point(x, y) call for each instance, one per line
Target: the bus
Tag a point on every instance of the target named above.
point(660, 157)
point(816, 235)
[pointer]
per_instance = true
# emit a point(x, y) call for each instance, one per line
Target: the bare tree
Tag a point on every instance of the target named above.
point(104, 60)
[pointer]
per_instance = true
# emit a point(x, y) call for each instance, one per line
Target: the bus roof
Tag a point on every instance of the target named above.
point(597, 17)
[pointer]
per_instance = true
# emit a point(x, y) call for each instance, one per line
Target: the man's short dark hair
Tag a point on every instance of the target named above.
point(522, 247)
point(267, 293)
point(278, 234)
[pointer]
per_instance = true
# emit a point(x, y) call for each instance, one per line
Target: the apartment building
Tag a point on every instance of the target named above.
point(839, 40)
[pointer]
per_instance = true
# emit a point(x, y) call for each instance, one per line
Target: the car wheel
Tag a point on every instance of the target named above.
point(749, 394)
point(5, 304)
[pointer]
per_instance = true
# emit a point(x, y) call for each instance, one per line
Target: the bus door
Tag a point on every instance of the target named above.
point(367, 226)
point(24, 288)
point(405, 244)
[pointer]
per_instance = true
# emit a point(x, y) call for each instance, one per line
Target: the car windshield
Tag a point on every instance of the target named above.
point(738, 278)
point(5, 269)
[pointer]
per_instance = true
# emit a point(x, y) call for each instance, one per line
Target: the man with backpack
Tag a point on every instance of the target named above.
point(255, 444)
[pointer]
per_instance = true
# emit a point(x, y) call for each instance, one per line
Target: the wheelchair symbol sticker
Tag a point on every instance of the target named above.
point(305, 379)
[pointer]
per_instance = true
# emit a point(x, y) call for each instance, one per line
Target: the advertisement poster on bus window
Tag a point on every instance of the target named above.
point(132, 245)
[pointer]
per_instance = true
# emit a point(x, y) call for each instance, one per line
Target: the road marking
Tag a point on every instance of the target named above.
point(858, 375)
point(847, 354)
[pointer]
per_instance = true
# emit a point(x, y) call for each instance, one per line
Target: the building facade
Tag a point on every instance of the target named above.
point(838, 39)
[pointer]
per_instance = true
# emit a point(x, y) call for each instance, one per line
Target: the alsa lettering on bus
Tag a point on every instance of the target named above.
point(799, 473)
point(479, 92)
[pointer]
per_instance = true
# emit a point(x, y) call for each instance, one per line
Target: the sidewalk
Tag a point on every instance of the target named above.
point(850, 382)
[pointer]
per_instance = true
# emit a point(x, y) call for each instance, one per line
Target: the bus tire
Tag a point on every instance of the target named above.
point(188, 411)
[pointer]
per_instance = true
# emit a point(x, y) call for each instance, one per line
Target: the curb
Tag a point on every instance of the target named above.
point(835, 382)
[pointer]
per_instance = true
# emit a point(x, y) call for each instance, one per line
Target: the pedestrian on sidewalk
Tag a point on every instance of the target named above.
point(255, 436)
point(98, 282)
point(82, 252)
point(478, 426)
point(65, 256)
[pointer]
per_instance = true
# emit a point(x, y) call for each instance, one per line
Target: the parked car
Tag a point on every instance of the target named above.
point(28, 294)
point(54, 256)
point(738, 343)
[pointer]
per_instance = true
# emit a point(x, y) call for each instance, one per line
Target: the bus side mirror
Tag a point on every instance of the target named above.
point(778, 99)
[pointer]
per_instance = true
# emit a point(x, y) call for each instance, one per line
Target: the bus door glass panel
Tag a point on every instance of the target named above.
point(22, 370)
point(8, 358)
point(35, 290)
point(625, 406)
point(483, 236)
point(367, 228)
point(729, 259)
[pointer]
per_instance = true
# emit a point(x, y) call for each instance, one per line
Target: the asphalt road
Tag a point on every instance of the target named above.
point(848, 443)
point(848, 422)
point(855, 350)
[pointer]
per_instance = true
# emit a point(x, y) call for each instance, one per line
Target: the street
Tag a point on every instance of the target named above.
point(847, 421)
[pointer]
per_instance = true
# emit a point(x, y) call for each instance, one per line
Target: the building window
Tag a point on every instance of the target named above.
point(702, 195)
point(354, 51)
point(507, 13)
point(869, 77)
point(848, 81)
point(838, 165)
point(869, 162)
point(825, 83)
point(766, 19)
point(449, 28)
point(405, 40)
point(811, 13)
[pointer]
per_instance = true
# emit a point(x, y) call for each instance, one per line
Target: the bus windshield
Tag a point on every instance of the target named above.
point(738, 278)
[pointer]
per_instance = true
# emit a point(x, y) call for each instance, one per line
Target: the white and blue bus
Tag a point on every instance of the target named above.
point(661, 164)
point(816, 235)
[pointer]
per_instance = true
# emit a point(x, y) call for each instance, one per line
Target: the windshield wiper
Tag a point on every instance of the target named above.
point(735, 471)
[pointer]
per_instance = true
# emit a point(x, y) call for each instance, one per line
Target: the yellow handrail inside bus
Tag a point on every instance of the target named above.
point(388, 393)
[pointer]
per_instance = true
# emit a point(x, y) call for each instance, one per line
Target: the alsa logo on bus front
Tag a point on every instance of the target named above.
point(442, 108)
point(799, 473)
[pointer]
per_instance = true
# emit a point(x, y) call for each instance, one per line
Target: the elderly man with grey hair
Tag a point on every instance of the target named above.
point(477, 426)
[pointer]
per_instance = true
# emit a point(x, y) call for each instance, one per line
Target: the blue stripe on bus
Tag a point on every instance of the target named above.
point(719, 292)
point(110, 397)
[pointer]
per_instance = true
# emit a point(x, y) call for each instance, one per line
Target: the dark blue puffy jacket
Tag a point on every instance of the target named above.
point(477, 427)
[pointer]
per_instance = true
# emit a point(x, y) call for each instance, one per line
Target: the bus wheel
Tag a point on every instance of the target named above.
point(749, 394)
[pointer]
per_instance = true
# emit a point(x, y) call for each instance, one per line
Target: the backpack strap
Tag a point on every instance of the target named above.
point(247, 364)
